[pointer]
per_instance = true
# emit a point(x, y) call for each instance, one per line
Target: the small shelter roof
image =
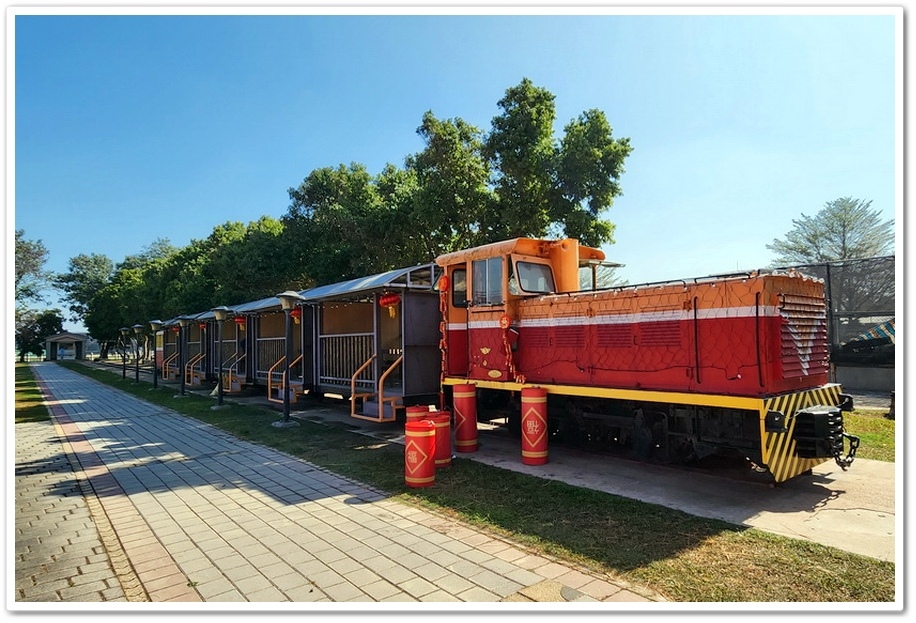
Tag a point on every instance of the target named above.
point(68, 337)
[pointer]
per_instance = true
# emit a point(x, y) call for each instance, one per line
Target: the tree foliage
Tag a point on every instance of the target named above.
point(589, 167)
point(87, 275)
point(545, 187)
point(236, 263)
point(33, 327)
point(521, 151)
point(31, 277)
point(453, 198)
point(338, 219)
point(845, 229)
point(465, 188)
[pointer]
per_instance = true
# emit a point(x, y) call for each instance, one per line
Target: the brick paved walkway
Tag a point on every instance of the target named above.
point(122, 500)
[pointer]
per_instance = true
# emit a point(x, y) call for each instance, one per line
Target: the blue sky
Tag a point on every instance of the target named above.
point(137, 127)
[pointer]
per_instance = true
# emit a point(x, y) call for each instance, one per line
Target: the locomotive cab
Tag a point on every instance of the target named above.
point(487, 284)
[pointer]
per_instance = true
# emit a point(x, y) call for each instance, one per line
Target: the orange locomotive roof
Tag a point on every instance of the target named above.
point(526, 246)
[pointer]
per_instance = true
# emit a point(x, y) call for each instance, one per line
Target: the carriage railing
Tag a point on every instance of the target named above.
point(229, 374)
point(167, 366)
point(343, 359)
point(270, 350)
point(196, 361)
point(386, 406)
point(272, 374)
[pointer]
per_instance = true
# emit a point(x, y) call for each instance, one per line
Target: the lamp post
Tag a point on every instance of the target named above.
point(155, 325)
point(124, 333)
point(138, 329)
point(288, 302)
point(183, 323)
point(220, 313)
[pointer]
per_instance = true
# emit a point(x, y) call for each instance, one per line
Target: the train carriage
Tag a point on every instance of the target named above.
point(734, 364)
point(376, 341)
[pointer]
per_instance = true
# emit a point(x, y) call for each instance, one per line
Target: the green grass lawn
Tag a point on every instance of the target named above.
point(30, 406)
point(875, 433)
point(685, 558)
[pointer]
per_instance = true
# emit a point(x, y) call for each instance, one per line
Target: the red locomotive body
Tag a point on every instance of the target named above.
point(743, 336)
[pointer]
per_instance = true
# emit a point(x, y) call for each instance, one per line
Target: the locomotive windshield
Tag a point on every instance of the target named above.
point(532, 278)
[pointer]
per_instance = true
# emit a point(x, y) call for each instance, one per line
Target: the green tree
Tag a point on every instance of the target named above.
point(87, 275)
point(545, 187)
point(250, 262)
point(335, 214)
point(118, 304)
point(452, 197)
point(589, 168)
point(31, 277)
point(463, 189)
point(521, 150)
point(845, 229)
point(33, 328)
point(402, 232)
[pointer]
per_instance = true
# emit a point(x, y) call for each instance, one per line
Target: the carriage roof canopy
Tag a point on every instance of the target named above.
point(413, 278)
point(271, 302)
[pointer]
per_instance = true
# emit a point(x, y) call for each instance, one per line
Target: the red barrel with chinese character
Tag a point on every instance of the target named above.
point(534, 425)
point(443, 423)
point(419, 453)
point(464, 403)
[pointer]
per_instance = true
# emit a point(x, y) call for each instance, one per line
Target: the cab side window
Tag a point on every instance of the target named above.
point(460, 287)
point(487, 282)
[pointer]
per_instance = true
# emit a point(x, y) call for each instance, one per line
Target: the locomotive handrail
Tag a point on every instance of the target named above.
point(652, 284)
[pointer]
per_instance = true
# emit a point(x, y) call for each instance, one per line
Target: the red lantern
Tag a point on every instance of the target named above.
point(176, 329)
point(390, 300)
point(442, 284)
point(296, 314)
point(239, 322)
point(202, 325)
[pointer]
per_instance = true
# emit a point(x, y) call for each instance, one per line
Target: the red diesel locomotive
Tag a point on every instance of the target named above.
point(675, 371)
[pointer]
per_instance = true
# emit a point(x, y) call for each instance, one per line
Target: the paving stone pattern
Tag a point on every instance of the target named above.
point(139, 503)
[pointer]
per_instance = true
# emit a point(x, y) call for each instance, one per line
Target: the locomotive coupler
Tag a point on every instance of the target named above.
point(850, 457)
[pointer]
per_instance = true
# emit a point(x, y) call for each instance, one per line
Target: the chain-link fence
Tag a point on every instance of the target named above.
point(861, 308)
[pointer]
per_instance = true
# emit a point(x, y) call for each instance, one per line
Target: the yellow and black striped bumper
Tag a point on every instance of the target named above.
point(778, 449)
